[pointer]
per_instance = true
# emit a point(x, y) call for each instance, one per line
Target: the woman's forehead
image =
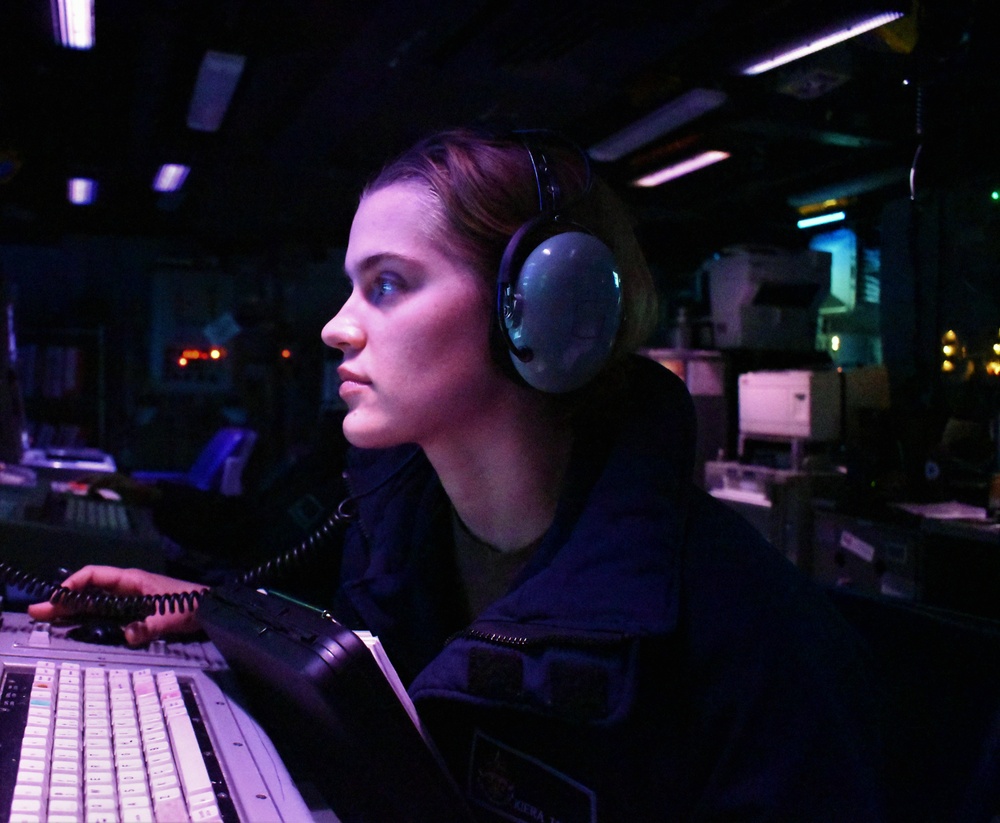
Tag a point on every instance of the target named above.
point(402, 219)
point(406, 201)
point(400, 210)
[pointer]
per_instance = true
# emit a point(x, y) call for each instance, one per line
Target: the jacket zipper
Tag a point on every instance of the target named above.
point(490, 637)
point(549, 638)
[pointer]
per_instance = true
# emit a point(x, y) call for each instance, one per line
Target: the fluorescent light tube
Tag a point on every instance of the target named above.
point(214, 88)
point(81, 191)
point(170, 177)
point(822, 219)
point(851, 188)
point(822, 41)
point(682, 109)
point(679, 169)
point(73, 23)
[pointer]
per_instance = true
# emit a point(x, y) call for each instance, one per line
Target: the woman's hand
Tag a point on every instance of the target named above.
point(116, 581)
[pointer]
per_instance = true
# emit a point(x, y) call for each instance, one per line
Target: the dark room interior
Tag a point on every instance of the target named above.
point(176, 198)
point(891, 127)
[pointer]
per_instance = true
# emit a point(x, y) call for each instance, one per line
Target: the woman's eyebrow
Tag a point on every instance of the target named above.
point(379, 259)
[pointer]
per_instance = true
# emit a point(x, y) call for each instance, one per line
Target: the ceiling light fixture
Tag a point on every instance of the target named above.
point(823, 219)
point(699, 161)
point(81, 191)
point(851, 188)
point(214, 88)
point(170, 177)
point(812, 209)
point(823, 40)
point(682, 109)
point(73, 23)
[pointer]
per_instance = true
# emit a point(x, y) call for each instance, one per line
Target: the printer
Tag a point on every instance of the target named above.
point(766, 298)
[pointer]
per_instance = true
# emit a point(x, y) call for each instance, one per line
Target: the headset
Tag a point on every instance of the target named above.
point(559, 298)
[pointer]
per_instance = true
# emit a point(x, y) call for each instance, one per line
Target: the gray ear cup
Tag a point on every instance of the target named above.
point(561, 313)
point(559, 306)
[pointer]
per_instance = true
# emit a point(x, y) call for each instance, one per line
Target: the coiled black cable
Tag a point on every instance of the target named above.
point(308, 548)
point(31, 584)
point(92, 603)
point(124, 607)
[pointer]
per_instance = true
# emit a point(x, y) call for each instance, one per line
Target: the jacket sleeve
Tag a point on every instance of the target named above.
point(783, 720)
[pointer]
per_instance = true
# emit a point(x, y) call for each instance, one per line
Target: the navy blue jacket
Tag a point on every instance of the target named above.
point(656, 660)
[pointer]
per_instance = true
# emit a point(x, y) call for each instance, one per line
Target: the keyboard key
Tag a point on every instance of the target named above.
point(28, 790)
point(64, 806)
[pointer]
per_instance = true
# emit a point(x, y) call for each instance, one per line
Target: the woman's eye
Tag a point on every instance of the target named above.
point(385, 286)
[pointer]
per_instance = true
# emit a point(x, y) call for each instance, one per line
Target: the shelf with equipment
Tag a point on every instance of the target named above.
point(62, 374)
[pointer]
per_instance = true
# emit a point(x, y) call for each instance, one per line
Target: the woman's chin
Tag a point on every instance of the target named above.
point(364, 434)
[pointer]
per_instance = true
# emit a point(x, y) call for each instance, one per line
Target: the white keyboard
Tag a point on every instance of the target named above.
point(109, 745)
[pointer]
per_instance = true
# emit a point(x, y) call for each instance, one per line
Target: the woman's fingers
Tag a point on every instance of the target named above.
point(126, 583)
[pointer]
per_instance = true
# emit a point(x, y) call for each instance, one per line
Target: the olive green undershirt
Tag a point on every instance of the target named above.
point(485, 573)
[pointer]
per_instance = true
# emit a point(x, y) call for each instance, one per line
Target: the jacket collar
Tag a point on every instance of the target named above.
point(610, 561)
point(609, 564)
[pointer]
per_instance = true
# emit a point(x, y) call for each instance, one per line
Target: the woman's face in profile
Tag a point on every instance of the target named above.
point(415, 330)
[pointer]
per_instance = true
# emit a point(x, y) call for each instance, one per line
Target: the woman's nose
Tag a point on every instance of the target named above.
point(342, 332)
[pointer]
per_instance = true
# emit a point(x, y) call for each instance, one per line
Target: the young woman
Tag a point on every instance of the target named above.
point(587, 635)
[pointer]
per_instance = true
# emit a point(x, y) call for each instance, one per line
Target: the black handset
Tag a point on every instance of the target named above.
point(130, 607)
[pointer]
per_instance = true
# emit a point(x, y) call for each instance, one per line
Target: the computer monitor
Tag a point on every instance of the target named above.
point(11, 401)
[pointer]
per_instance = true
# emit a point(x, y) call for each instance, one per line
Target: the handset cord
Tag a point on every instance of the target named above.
point(127, 607)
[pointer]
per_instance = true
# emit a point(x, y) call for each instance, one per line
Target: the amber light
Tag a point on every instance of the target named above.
point(190, 355)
